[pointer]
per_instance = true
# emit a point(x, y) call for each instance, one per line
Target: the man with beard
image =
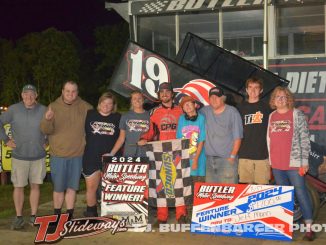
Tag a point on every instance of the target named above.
point(163, 126)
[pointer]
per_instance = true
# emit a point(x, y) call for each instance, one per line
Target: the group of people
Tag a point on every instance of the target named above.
point(227, 144)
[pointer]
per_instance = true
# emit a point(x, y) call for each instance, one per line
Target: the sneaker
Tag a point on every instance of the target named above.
point(18, 223)
point(32, 220)
point(183, 220)
point(309, 236)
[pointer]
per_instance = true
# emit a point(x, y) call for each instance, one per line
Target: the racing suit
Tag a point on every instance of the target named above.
point(163, 126)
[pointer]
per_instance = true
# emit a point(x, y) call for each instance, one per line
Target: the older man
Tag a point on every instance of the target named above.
point(223, 138)
point(64, 122)
point(28, 151)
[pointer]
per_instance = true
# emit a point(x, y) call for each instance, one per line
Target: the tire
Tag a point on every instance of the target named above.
point(315, 201)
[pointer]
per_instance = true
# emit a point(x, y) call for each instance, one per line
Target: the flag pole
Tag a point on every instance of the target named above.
point(265, 42)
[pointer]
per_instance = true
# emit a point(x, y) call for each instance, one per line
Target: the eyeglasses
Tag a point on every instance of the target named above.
point(280, 97)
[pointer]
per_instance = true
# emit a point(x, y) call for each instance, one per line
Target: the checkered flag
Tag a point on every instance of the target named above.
point(153, 7)
point(169, 173)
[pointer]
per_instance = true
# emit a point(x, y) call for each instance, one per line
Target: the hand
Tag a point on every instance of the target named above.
point(142, 142)
point(49, 114)
point(231, 160)
point(11, 143)
point(303, 170)
point(194, 164)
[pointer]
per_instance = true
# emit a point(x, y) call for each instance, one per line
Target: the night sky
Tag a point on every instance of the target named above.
point(19, 17)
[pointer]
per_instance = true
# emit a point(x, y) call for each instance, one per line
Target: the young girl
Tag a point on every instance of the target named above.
point(102, 131)
point(132, 125)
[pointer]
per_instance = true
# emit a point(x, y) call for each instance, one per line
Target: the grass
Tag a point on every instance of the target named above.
point(7, 208)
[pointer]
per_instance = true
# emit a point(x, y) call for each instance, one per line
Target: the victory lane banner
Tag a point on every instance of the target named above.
point(252, 211)
point(169, 173)
point(125, 190)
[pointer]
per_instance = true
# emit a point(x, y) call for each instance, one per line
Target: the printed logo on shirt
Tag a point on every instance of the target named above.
point(168, 123)
point(103, 128)
point(254, 118)
point(138, 125)
point(191, 132)
point(280, 126)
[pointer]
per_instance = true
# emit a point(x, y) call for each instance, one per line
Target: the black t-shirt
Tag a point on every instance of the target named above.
point(101, 134)
point(255, 121)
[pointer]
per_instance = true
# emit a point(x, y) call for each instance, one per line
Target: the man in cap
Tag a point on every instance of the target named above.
point(163, 126)
point(223, 138)
point(28, 150)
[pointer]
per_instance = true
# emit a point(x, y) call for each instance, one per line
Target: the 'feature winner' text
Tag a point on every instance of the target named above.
point(124, 182)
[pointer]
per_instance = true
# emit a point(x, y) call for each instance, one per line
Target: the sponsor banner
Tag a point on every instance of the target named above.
point(307, 77)
point(6, 153)
point(173, 6)
point(253, 211)
point(125, 190)
point(143, 70)
point(169, 173)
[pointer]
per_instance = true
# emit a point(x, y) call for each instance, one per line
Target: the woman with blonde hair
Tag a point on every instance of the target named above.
point(289, 146)
point(102, 131)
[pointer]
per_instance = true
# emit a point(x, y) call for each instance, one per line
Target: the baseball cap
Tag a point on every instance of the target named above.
point(218, 91)
point(186, 99)
point(28, 87)
point(165, 85)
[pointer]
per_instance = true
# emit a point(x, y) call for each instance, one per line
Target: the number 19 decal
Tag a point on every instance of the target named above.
point(147, 73)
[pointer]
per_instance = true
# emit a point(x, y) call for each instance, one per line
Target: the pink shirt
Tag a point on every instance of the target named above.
point(281, 132)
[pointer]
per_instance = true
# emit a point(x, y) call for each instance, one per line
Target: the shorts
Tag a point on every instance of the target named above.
point(23, 172)
point(254, 171)
point(65, 173)
point(220, 170)
point(90, 167)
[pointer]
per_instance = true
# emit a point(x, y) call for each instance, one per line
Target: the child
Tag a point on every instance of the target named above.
point(191, 126)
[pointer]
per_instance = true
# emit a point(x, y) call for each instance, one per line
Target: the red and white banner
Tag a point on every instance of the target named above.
point(125, 191)
point(253, 211)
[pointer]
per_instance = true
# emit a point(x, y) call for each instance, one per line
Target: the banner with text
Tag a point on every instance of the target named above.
point(253, 211)
point(125, 190)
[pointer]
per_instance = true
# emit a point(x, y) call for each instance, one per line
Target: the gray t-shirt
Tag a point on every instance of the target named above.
point(25, 128)
point(135, 124)
point(221, 130)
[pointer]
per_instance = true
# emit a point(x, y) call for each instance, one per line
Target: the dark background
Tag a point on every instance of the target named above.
point(19, 17)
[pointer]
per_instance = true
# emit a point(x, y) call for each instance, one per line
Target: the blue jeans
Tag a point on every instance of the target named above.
point(220, 170)
point(292, 177)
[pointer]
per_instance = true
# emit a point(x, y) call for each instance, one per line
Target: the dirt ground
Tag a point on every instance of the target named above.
point(27, 235)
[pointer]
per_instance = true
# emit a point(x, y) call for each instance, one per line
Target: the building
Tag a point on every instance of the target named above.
point(295, 40)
